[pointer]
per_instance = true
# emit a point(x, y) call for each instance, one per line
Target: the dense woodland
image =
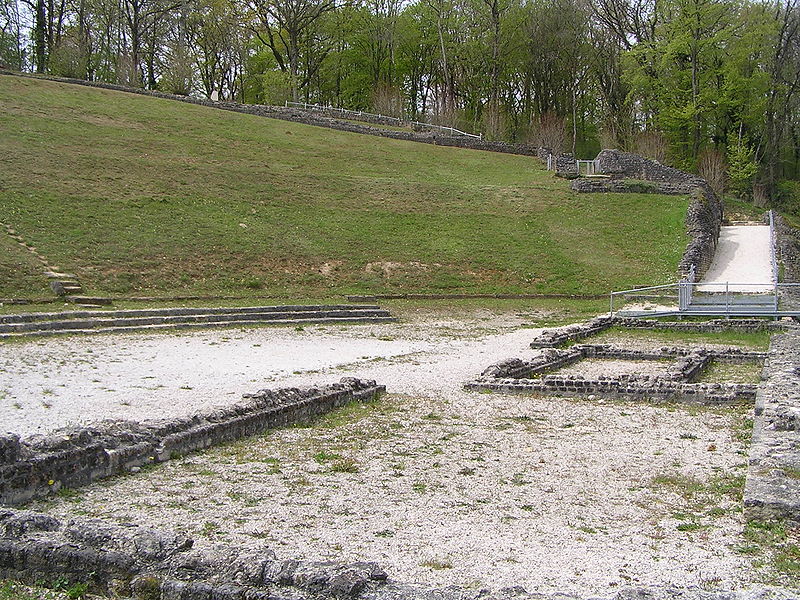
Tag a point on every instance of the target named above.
point(707, 85)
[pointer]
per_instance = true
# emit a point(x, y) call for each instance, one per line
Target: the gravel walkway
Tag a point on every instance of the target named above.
point(437, 485)
point(742, 257)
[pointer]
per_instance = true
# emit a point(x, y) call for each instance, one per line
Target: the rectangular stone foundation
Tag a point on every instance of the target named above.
point(76, 456)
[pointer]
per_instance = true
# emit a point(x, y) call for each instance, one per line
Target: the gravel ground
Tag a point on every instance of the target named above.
point(438, 485)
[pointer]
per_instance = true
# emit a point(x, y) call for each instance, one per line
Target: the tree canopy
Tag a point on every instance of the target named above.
point(697, 83)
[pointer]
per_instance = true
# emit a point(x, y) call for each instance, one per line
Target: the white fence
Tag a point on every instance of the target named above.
point(357, 115)
point(588, 167)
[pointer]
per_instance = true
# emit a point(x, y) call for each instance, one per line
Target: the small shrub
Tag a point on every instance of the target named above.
point(346, 465)
point(76, 590)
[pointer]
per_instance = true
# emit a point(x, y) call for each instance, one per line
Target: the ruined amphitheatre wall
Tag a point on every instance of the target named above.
point(628, 172)
point(298, 115)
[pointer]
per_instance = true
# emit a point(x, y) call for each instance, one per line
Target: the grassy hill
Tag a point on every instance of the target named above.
point(141, 195)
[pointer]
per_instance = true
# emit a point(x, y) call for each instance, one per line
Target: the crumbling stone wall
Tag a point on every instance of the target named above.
point(704, 215)
point(76, 456)
point(516, 375)
point(772, 489)
point(551, 338)
point(566, 166)
point(299, 115)
point(149, 564)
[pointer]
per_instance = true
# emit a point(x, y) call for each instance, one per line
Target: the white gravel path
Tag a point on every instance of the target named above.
point(742, 257)
point(447, 487)
point(62, 381)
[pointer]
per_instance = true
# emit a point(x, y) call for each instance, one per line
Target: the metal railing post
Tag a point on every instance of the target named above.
point(727, 302)
point(612, 304)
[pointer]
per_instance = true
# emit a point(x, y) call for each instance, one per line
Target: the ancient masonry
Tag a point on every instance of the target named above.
point(626, 172)
point(72, 457)
point(773, 478)
point(772, 488)
point(147, 564)
point(80, 322)
point(677, 384)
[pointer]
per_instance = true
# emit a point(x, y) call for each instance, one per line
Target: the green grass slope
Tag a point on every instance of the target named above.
point(20, 272)
point(141, 195)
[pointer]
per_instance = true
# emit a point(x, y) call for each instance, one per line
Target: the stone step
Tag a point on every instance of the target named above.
point(89, 300)
point(63, 288)
point(180, 311)
point(99, 320)
point(350, 320)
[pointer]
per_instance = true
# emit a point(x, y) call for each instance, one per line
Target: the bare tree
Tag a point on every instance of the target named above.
point(284, 23)
point(712, 167)
point(784, 72)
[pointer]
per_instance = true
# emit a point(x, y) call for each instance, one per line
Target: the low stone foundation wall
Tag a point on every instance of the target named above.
point(72, 457)
point(551, 338)
point(147, 564)
point(772, 489)
point(677, 383)
point(624, 387)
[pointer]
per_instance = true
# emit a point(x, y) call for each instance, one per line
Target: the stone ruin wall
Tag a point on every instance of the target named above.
point(299, 115)
point(676, 384)
point(551, 338)
point(71, 457)
point(629, 172)
point(772, 489)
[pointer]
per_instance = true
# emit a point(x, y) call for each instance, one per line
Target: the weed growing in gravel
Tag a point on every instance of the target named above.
point(10, 590)
point(701, 500)
point(209, 528)
point(436, 564)
point(345, 465)
point(69, 494)
point(324, 456)
point(776, 547)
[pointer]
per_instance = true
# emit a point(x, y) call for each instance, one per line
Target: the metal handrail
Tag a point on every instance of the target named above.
point(359, 113)
point(684, 284)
